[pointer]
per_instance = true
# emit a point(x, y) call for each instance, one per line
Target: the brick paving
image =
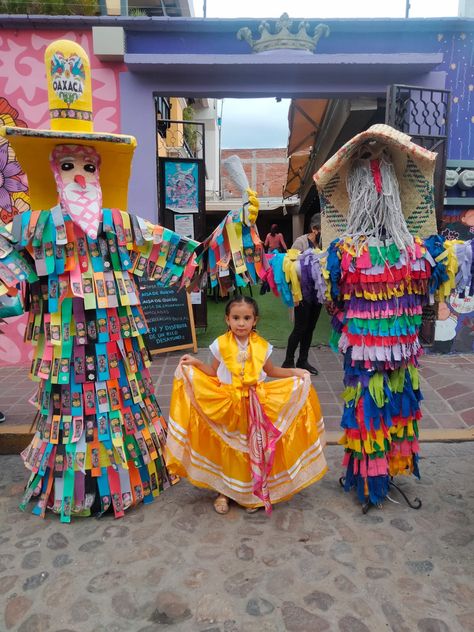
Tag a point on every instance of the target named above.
point(447, 386)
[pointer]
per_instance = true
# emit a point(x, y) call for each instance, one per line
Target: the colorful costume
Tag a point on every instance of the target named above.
point(377, 190)
point(100, 432)
point(256, 442)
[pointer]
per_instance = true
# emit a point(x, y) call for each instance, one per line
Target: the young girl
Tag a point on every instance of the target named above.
point(252, 441)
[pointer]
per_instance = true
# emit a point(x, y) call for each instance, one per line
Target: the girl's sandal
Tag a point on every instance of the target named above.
point(251, 510)
point(221, 505)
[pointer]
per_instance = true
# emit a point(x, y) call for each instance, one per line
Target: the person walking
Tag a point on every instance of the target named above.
point(274, 240)
point(306, 314)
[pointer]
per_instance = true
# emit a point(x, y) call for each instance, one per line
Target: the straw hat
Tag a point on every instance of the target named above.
point(413, 165)
point(70, 106)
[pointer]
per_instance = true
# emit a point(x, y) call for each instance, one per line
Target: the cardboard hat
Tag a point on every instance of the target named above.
point(70, 107)
point(414, 167)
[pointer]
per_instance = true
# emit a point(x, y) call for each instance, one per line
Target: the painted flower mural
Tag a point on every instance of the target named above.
point(22, 84)
point(13, 184)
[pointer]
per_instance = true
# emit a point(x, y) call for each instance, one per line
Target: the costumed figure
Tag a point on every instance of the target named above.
point(252, 441)
point(100, 432)
point(379, 277)
point(377, 192)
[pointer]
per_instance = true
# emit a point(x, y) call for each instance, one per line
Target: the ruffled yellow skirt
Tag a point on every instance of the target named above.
point(207, 435)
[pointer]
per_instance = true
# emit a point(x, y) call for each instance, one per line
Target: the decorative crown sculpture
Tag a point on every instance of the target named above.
point(283, 38)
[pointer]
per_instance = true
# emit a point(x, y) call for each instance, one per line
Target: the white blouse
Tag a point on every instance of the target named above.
point(223, 374)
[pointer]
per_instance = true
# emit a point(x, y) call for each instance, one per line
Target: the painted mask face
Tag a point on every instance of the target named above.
point(76, 172)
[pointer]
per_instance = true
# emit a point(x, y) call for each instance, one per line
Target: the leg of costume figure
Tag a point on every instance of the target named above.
point(311, 315)
point(296, 335)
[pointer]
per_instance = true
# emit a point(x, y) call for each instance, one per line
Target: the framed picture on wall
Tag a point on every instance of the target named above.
point(181, 185)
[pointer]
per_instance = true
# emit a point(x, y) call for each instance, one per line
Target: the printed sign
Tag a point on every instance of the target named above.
point(68, 75)
point(170, 318)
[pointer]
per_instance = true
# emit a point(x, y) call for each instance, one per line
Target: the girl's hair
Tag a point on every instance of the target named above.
point(242, 299)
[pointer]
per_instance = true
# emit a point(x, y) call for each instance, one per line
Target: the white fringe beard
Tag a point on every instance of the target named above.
point(376, 215)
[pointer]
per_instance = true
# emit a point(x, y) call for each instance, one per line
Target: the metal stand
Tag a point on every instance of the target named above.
point(415, 504)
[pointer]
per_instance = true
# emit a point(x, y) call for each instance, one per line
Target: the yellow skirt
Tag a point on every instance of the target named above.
point(207, 435)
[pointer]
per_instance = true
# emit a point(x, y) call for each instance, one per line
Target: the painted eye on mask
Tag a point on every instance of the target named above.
point(90, 168)
point(67, 166)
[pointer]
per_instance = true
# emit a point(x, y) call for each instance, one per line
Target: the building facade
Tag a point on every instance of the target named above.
point(138, 60)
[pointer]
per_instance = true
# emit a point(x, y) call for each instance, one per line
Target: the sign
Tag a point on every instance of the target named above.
point(184, 226)
point(170, 318)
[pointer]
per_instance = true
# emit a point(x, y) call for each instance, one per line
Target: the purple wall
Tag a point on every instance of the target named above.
point(203, 58)
point(138, 119)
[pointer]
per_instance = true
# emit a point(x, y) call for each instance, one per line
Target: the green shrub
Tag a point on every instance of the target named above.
point(50, 7)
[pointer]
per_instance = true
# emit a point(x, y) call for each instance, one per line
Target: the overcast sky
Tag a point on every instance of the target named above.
point(264, 122)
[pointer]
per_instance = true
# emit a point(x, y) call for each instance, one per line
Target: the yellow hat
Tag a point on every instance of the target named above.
point(70, 106)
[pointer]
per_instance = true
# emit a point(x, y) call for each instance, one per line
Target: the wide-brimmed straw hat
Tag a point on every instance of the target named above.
point(70, 106)
point(414, 167)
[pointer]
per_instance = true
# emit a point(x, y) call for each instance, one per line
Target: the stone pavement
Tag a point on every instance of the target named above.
point(447, 386)
point(316, 564)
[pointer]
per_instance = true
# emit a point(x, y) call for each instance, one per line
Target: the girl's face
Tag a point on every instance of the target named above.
point(241, 320)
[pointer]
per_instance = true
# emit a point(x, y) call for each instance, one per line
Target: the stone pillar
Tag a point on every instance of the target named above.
point(297, 225)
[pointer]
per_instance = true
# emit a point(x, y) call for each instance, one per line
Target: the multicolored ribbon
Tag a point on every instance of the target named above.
point(262, 438)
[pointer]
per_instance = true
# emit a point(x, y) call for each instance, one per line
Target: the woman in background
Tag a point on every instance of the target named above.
point(274, 240)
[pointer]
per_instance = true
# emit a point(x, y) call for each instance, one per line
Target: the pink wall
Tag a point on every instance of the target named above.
point(23, 98)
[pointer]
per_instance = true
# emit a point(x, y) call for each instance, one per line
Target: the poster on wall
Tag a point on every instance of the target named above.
point(184, 225)
point(181, 186)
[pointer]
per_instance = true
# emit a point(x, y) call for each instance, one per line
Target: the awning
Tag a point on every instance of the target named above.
point(304, 119)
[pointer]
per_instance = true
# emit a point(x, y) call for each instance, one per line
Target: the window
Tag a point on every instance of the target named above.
point(163, 114)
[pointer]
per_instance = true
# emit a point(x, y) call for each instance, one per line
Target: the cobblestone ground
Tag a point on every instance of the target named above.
point(317, 564)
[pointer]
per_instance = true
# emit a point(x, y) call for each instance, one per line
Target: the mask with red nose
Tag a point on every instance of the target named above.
point(76, 173)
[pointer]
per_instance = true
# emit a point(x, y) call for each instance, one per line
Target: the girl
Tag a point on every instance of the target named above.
point(252, 441)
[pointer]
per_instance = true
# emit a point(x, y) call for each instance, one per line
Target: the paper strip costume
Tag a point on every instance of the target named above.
point(100, 433)
point(376, 192)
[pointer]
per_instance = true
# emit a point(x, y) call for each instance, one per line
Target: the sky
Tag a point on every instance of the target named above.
point(320, 9)
point(264, 122)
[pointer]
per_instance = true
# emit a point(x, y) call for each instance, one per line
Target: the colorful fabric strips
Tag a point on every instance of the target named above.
point(376, 295)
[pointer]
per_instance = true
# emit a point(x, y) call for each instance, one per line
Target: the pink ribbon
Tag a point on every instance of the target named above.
point(376, 175)
point(262, 438)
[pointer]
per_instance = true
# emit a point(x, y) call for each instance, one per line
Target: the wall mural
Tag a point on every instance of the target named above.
point(13, 184)
point(24, 102)
point(458, 51)
point(455, 323)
